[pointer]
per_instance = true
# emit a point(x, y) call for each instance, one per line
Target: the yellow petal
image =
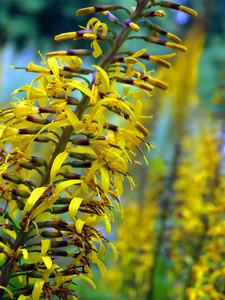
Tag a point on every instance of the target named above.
point(126, 90)
point(107, 224)
point(63, 185)
point(104, 179)
point(100, 265)
point(115, 252)
point(73, 207)
point(34, 196)
point(25, 253)
point(59, 160)
point(104, 74)
point(91, 21)
point(82, 88)
point(45, 246)
point(47, 261)
point(97, 49)
point(54, 66)
point(22, 297)
point(37, 289)
point(9, 232)
point(75, 122)
point(79, 225)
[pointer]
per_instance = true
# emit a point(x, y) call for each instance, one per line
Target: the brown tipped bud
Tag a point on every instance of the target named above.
point(57, 252)
point(111, 127)
point(20, 193)
point(38, 161)
point(59, 210)
point(184, 9)
point(80, 142)
point(63, 200)
point(72, 101)
point(100, 8)
point(158, 29)
point(69, 175)
point(78, 70)
point(83, 156)
point(154, 13)
point(59, 224)
point(47, 109)
point(33, 130)
point(71, 52)
point(78, 164)
point(38, 120)
point(42, 139)
point(59, 244)
point(12, 178)
point(27, 267)
point(154, 40)
point(49, 234)
point(78, 52)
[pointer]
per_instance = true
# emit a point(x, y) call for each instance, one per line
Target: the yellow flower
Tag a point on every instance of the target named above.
point(99, 25)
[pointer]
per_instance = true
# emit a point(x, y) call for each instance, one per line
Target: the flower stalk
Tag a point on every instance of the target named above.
point(83, 171)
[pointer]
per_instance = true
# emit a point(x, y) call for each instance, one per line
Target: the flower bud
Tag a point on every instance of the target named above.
point(83, 156)
point(154, 13)
point(80, 142)
point(12, 178)
point(68, 36)
point(69, 175)
point(75, 52)
point(38, 161)
point(31, 130)
point(38, 120)
point(89, 36)
point(27, 165)
point(20, 193)
point(132, 25)
point(83, 164)
point(100, 8)
point(42, 139)
point(50, 234)
point(184, 9)
point(110, 16)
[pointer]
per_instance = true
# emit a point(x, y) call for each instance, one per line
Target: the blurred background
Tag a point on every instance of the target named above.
point(171, 237)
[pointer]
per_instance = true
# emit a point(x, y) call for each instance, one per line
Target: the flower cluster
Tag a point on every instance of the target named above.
point(64, 157)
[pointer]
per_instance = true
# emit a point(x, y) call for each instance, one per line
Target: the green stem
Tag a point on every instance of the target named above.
point(166, 201)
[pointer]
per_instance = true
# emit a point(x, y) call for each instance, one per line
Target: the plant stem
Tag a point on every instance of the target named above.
point(9, 264)
point(166, 201)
